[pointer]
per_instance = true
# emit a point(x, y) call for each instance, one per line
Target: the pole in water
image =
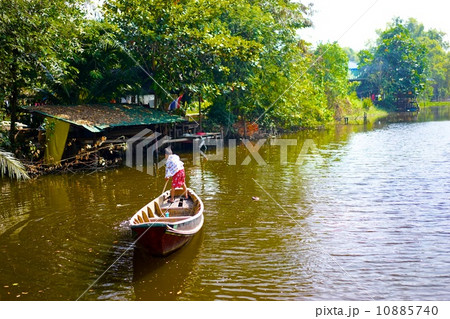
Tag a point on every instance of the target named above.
point(165, 185)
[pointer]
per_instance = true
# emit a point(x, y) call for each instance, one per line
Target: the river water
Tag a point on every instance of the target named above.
point(347, 213)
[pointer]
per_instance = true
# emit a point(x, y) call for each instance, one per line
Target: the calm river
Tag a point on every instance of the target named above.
point(364, 215)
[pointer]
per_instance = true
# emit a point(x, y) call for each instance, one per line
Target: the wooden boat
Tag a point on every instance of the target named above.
point(162, 227)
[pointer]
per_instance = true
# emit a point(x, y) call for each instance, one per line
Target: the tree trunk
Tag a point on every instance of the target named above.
point(13, 99)
point(13, 104)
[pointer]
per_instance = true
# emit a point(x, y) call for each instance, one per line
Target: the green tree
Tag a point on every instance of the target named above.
point(331, 72)
point(438, 72)
point(37, 37)
point(239, 53)
point(398, 65)
point(184, 45)
point(288, 96)
point(270, 90)
point(104, 70)
point(370, 74)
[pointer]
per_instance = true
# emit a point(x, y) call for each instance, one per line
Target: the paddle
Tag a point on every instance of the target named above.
point(165, 186)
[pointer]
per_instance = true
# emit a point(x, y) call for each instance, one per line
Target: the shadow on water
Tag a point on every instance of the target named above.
point(164, 278)
point(438, 113)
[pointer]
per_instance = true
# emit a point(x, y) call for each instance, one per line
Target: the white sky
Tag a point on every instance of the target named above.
point(353, 22)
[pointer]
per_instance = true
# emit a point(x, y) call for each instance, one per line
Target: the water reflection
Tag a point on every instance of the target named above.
point(156, 278)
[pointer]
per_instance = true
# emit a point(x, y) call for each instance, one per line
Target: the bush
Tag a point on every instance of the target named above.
point(4, 140)
point(367, 103)
point(219, 113)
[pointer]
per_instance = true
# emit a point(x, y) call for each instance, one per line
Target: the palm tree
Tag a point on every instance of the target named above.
point(9, 164)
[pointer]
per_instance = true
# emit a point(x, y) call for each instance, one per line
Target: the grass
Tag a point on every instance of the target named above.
point(355, 108)
point(372, 113)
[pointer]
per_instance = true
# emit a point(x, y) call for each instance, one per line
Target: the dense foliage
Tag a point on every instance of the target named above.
point(331, 74)
point(38, 39)
point(406, 62)
point(243, 58)
point(396, 67)
point(438, 73)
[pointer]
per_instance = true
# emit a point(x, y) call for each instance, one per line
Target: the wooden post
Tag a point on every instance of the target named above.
point(200, 112)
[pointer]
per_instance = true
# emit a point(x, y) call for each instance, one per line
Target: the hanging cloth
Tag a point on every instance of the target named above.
point(56, 136)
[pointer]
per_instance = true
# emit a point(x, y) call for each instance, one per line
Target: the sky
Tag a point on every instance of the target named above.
point(352, 23)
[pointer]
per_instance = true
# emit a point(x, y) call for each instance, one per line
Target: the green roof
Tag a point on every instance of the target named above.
point(98, 117)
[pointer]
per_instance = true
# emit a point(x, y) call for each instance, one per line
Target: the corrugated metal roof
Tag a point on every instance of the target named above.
point(99, 117)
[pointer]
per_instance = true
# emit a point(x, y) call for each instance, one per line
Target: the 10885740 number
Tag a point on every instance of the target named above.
point(407, 310)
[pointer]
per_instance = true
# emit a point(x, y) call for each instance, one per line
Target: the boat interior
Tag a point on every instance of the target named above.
point(161, 210)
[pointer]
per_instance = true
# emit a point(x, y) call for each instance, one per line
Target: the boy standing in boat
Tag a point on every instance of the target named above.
point(175, 169)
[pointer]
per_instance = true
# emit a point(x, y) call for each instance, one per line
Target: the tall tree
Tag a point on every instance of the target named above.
point(104, 70)
point(184, 45)
point(36, 39)
point(331, 71)
point(398, 66)
point(438, 72)
point(235, 52)
point(279, 88)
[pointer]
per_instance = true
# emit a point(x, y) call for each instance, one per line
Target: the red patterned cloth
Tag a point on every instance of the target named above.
point(178, 179)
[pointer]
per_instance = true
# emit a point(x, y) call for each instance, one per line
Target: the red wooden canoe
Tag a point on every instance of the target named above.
point(162, 227)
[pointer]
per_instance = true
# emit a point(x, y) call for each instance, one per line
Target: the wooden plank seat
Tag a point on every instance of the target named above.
point(180, 207)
